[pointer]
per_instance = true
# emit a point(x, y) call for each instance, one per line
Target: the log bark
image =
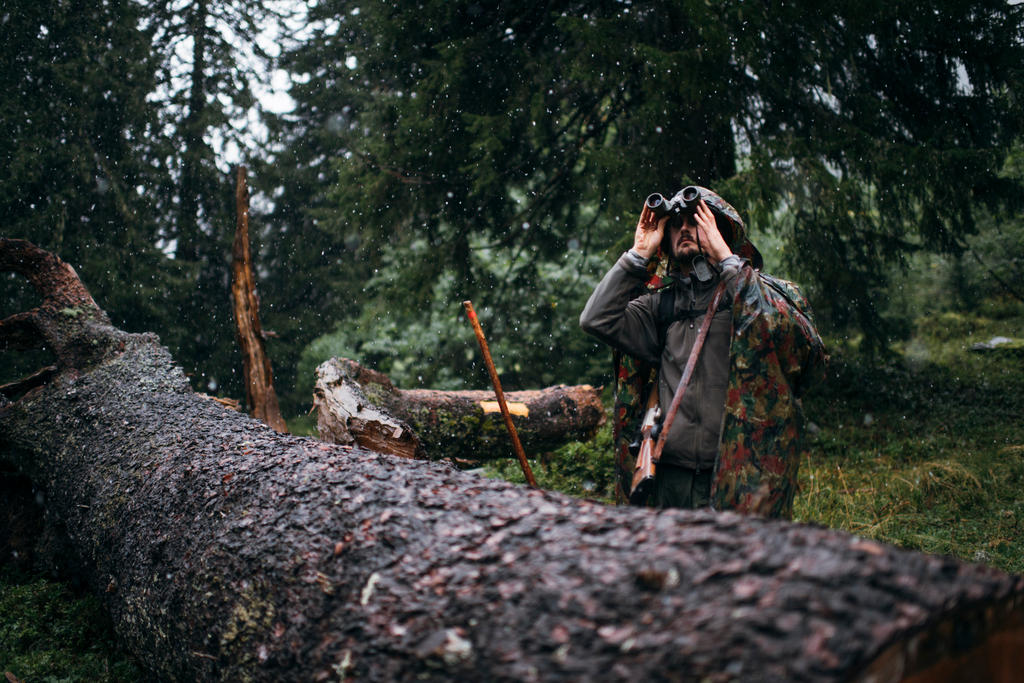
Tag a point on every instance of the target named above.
point(226, 551)
point(358, 405)
point(257, 375)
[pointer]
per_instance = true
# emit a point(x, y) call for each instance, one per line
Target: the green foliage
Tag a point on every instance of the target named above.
point(52, 635)
point(211, 62)
point(79, 142)
point(429, 130)
point(73, 123)
point(458, 150)
point(533, 343)
point(583, 469)
point(106, 137)
point(984, 280)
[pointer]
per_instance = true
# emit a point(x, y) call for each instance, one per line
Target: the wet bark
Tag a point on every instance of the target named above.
point(358, 405)
point(226, 551)
point(260, 396)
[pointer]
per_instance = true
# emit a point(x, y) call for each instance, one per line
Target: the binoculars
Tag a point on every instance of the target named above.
point(682, 205)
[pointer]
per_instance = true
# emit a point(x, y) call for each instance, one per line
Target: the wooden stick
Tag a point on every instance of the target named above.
point(498, 392)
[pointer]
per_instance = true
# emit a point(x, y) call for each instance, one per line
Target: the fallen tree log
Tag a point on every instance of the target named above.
point(226, 551)
point(357, 405)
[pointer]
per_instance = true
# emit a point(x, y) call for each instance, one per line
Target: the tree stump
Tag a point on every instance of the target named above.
point(226, 551)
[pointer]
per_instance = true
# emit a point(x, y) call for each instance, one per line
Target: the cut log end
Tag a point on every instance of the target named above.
point(983, 643)
point(350, 410)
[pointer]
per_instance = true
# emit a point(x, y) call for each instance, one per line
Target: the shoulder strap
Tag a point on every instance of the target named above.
point(666, 306)
point(786, 289)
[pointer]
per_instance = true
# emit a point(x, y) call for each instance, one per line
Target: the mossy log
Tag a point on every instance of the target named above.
point(357, 405)
point(226, 551)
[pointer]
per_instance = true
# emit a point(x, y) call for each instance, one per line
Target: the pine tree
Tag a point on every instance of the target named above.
point(211, 60)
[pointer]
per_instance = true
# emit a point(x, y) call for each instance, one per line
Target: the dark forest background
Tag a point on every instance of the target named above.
point(440, 151)
point(446, 150)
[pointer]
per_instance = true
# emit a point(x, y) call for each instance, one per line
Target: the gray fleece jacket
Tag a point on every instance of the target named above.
point(630, 325)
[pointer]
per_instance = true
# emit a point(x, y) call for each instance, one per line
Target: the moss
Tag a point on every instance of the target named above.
point(438, 426)
point(377, 394)
point(50, 633)
point(250, 618)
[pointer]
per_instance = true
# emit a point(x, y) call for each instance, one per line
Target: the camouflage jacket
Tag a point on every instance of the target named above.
point(775, 351)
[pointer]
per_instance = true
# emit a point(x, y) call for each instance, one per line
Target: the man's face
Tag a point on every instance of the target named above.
point(683, 239)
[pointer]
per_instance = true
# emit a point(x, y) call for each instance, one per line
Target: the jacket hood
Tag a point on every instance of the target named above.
point(730, 225)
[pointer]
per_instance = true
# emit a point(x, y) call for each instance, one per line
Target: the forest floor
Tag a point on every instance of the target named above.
point(924, 450)
point(52, 632)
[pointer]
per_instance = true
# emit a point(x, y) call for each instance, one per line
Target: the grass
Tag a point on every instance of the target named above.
point(926, 449)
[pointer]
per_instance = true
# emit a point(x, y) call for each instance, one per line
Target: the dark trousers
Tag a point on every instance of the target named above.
point(681, 487)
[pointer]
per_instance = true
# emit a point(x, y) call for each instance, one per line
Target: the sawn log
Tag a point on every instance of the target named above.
point(355, 404)
point(226, 551)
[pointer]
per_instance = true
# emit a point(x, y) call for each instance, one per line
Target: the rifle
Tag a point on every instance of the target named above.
point(643, 471)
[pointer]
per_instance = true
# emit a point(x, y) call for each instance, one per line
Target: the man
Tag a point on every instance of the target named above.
point(735, 440)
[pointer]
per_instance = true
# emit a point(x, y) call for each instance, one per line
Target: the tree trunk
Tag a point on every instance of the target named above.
point(192, 132)
point(226, 551)
point(358, 405)
point(260, 396)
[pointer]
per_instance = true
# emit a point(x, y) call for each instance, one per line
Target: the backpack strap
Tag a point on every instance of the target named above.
point(666, 306)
